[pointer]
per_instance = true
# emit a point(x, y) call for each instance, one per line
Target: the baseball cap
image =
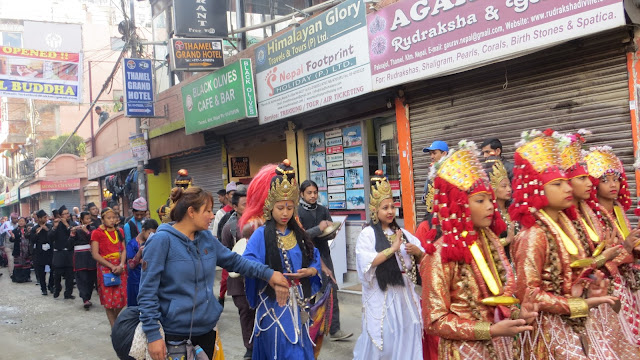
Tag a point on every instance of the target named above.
point(231, 187)
point(437, 145)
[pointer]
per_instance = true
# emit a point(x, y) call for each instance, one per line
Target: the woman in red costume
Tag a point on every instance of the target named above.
point(467, 281)
point(544, 251)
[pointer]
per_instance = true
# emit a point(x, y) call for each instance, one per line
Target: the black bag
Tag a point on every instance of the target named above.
point(123, 331)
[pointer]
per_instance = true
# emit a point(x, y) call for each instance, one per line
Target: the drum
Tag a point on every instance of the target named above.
point(238, 248)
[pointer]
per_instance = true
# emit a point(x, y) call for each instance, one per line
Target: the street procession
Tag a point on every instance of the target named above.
point(320, 179)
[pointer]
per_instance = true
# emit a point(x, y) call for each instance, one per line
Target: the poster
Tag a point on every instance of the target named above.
point(332, 133)
point(335, 181)
point(352, 136)
point(355, 199)
point(317, 162)
point(355, 178)
point(319, 178)
point(335, 165)
point(323, 198)
point(337, 196)
point(334, 141)
point(240, 167)
point(335, 173)
point(411, 40)
point(337, 205)
point(353, 156)
point(316, 142)
point(336, 189)
point(323, 61)
point(335, 157)
point(41, 75)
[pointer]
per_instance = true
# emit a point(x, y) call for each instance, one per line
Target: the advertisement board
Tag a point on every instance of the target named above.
point(138, 87)
point(200, 18)
point(196, 54)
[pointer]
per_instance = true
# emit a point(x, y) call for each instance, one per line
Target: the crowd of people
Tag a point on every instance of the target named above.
point(534, 258)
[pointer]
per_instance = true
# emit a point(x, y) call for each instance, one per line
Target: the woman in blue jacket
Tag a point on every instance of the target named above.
point(178, 272)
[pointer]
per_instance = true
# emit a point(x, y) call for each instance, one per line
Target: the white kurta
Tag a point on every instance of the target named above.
point(391, 319)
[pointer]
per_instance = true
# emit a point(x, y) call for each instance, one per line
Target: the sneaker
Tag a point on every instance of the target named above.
point(248, 355)
point(340, 335)
point(45, 293)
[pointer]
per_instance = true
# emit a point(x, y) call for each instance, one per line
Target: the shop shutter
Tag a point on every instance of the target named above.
point(579, 84)
point(243, 136)
point(204, 165)
point(70, 199)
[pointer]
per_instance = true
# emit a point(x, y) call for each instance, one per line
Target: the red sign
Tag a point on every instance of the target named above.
point(60, 185)
point(334, 149)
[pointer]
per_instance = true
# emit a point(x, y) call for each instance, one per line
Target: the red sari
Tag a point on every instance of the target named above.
point(429, 342)
point(111, 297)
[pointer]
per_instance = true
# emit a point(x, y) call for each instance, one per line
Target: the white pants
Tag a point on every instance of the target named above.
point(9, 253)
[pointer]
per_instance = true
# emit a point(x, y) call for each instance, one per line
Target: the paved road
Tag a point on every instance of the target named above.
point(33, 326)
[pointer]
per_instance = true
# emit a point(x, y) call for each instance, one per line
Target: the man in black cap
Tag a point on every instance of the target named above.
point(94, 211)
point(62, 254)
point(42, 250)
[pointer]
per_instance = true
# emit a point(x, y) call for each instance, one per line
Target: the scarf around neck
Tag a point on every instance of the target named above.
point(308, 206)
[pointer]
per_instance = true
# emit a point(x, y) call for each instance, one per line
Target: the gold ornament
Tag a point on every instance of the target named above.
point(428, 199)
point(462, 169)
point(541, 152)
point(571, 155)
point(602, 161)
point(288, 241)
point(281, 190)
point(497, 174)
point(380, 191)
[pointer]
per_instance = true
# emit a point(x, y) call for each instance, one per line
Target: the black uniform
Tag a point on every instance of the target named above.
point(62, 259)
point(83, 263)
point(42, 251)
point(310, 217)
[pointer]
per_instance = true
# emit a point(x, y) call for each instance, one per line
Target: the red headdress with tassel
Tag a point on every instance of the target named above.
point(459, 176)
point(601, 161)
point(257, 193)
point(537, 162)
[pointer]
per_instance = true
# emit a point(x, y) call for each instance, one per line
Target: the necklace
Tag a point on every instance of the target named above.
point(411, 273)
point(287, 242)
point(283, 242)
point(110, 238)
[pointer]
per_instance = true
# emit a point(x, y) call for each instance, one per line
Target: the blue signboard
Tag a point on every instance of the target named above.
point(138, 88)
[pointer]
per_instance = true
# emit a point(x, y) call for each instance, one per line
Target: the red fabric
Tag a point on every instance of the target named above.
point(227, 208)
point(552, 174)
point(105, 245)
point(579, 169)
point(429, 346)
point(422, 233)
point(528, 192)
point(112, 297)
point(223, 283)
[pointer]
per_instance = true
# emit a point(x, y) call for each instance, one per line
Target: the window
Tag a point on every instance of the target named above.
point(13, 39)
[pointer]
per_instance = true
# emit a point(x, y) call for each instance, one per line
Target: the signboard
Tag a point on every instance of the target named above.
point(40, 75)
point(321, 62)
point(111, 164)
point(221, 97)
point(416, 39)
point(139, 148)
point(199, 18)
point(60, 185)
point(240, 167)
point(138, 88)
point(196, 54)
point(52, 36)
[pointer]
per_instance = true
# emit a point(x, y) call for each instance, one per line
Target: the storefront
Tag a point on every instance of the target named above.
point(111, 172)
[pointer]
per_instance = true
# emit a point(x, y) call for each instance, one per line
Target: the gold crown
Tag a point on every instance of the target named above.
point(601, 161)
point(380, 190)
point(571, 155)
point(462, 169)
point(541, 152)
point(497, 174)
point(281, 190)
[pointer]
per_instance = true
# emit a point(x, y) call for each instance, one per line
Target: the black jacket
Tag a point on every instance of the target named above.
point(310, 220)
point(62, 247)
point(36, 243)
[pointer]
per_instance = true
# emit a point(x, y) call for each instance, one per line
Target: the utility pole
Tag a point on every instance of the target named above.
point(142, 183)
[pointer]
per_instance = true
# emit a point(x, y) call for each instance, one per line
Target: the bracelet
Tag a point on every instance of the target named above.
point(387, 252)
point(503, 242)
point(600, 260)
point(578, 308)
point(482, 330)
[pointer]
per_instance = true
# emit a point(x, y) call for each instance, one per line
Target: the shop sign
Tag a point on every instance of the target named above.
point(199, 18)
point(34, 188)
point(25, 192)
point(139, 149)
point(41, 75)
point(138, 87)
point(13, 195)
point(240, 167)
point(323, 61)
point(221, 97)
point(334, 149)
point(111, 164)
point(416, 39)
point(196, 54)
point(2, 198)
point(60, 185)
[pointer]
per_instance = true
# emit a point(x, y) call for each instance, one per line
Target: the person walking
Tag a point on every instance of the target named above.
point(6, 232)
point(315, 218)
point(95, 212)
point(21, 253)
point(109, 251)
point(62, 254)
point(42, 251)
point(134, 257)
point(83, 263)
point(133, 227)
point(177, 281)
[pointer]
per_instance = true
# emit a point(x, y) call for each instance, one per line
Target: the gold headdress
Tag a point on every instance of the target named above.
point(380, 190)
point(496, 172)
point(601, 161)
point(571, 155)
point(283, 187)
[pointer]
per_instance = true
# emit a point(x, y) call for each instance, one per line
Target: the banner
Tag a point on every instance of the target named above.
point(139, 149)
point(418, 39)
point(40, 75)
point(224, 96)
point(321, 62)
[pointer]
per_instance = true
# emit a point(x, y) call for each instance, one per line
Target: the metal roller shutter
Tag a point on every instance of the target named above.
point(70, 199)
point(204, 166)
point(256, 134)
point(579, 84)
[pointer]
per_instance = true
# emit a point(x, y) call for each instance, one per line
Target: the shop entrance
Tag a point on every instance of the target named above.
point(244, 163)
point(387, 158)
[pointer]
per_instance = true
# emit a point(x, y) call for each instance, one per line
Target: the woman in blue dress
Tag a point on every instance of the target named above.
point(281, 329)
